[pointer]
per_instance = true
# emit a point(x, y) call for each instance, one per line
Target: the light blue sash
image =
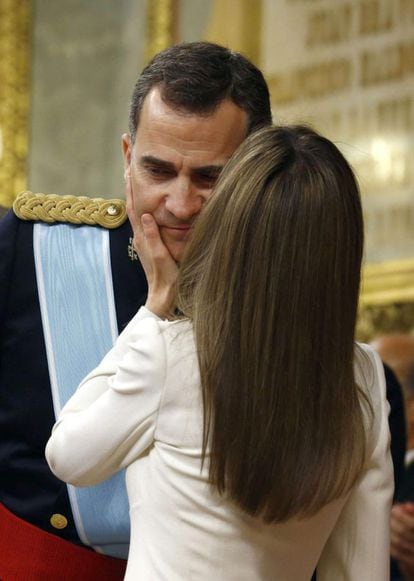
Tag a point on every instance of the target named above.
point(73, 270)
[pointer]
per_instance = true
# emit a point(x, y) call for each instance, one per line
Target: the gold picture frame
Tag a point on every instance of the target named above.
point(15, 36)
point(161, 26)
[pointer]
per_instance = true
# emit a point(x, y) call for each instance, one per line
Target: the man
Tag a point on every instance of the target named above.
point(191, 108)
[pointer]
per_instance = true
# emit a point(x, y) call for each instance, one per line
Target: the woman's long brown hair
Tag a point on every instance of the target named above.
point(271, 282)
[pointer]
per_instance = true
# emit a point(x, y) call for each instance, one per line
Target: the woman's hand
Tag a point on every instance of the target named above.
point(160, 268)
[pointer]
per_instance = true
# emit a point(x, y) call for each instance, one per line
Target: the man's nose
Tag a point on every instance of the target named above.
point(184, 200)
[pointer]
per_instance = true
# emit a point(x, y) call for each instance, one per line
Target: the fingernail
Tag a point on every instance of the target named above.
point(146, 219)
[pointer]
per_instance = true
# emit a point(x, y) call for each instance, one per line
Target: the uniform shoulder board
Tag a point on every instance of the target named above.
point(72, 209)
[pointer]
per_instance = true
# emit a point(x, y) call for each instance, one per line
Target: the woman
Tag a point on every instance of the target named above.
point(253, 429)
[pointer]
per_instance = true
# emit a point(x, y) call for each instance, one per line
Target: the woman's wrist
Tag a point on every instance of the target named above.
point(160, 303)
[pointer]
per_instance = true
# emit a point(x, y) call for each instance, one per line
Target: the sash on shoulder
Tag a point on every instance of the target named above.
point(73, 270)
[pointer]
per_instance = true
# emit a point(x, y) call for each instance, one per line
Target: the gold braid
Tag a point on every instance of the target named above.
point(73, 209)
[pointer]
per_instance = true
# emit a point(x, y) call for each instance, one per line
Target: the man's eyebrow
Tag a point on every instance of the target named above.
point(208, 169)
point(213, 169)
point(152, 160)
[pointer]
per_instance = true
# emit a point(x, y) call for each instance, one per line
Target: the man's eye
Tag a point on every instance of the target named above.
point(207, 180)
point(158, 172)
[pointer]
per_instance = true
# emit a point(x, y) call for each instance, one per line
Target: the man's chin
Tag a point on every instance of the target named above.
point(176, 250)
point(176, 242)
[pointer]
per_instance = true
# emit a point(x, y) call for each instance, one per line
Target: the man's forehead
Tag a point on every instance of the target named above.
point(227, 121)
point(158, 105)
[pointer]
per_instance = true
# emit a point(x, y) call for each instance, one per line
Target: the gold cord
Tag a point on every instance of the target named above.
point(72, 209)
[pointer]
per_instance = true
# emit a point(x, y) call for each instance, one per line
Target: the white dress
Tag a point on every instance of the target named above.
point(140, 409)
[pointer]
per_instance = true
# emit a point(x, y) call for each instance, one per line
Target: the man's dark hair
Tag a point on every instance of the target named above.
point(196, 77)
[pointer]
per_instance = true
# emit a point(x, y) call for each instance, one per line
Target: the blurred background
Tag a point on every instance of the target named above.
point(67, 70)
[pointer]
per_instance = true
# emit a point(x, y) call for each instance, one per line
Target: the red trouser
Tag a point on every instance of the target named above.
point(29, 554)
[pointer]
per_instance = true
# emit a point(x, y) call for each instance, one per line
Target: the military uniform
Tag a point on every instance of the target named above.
point(38, 537)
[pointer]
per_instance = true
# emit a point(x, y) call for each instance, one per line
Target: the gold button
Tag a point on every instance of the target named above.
point(112, 210)
point(58, 521)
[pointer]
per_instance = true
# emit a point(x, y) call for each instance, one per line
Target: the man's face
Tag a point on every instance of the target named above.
point(175, 161)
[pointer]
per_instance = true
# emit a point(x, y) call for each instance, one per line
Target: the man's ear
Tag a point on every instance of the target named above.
point(127, 153)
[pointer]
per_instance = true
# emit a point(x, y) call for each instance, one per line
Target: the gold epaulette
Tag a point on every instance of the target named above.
point(72, 209)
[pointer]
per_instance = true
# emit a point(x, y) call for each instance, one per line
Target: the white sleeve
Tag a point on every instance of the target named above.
point(359, 546)
point(111, 419)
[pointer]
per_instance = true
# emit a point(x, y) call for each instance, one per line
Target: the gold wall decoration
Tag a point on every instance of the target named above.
point(347, 69)
point(376, 320)
point(387, 299)
point(162, 18)
point(387, 283)
point(237, 24)
point(15, 32)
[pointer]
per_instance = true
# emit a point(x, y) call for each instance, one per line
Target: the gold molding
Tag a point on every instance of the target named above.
point(375, 320)
point(244, 34)
point(161, 26)
point(15, 31)
point(387, 299)
point(388, 283)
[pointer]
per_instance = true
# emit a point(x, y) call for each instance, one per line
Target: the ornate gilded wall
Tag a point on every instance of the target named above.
point(347, 67)
point(162, 22)
point(15, 28)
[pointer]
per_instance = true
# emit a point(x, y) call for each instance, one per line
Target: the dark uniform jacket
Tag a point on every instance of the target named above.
point(27, 486)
